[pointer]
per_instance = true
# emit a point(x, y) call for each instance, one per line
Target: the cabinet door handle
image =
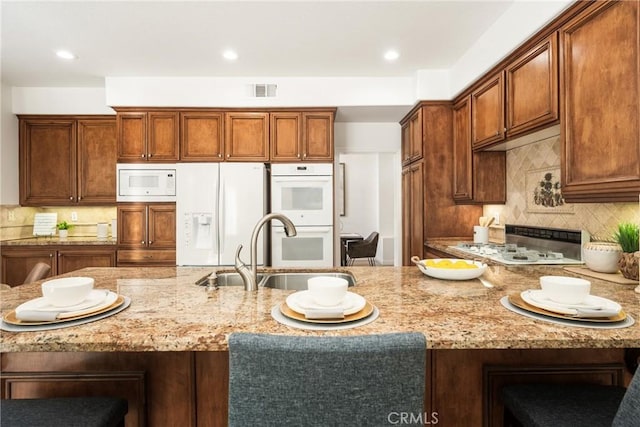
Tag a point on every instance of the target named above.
point(219, 154)
point(142, 243)
point(71, 198)
point(143, 155)
point(150, 242)
point(50, 255)
point(150, 155)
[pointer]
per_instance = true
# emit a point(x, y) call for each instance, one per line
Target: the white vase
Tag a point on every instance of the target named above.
point(63, 234)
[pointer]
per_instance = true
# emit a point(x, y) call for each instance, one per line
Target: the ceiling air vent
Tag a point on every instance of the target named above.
point(264, 90)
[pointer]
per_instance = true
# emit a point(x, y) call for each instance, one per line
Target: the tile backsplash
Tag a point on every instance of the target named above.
point(524, 166)
point(16, 222)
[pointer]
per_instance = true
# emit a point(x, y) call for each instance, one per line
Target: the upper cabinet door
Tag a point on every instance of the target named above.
point(532, 88)
point(600, 129)
point(412, 138)
point(487, 112)
point(97, 156)
point(286, 136)
point(163, 136)
point(462, 165)
point(317, 136)
point(47, 162)
point(132, 136)
point(202, 136)
point(247, 136)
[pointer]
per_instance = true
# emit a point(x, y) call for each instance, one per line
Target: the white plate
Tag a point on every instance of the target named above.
point(302, 300)
point(593, 306)
point(452, 273)
point(36, 308)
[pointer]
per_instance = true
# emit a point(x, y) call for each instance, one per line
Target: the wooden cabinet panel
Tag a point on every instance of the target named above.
point(412, 212)
point(162, 226)
point(532, 88)
point(18, 262)
point(132, 136)
point(97, 156)
point(317, 136)
point(412, 138)
point(286, 136)
point(462, 151)
point(145, 227)
point(600, 129)
point(490, 177)
point(406, 216)
point(202, 136)
point(247, 136)
point(47, 162)
point(487, 112)
point(77, 258)
point(164, 136)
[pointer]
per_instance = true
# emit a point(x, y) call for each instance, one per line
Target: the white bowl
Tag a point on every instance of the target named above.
point(565, 290)
point(326, 290)
point(452, 273)
point(67, 291)
point(602, 256)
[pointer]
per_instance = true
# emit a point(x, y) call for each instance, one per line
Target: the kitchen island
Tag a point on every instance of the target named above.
point(167, 351)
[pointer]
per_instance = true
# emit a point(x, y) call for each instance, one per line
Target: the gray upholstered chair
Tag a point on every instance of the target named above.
point(39, 271)
point(366, 248)
point(323, 381)
point(64, 411)
point(537, 405)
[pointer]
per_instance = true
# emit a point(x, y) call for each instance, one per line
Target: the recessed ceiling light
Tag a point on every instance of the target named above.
point(391, 55)
point(65, 54)
point(230, 55)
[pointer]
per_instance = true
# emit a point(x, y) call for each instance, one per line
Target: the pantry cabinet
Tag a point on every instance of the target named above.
point(18, 261)
point(67, 160)
point(148, 136)
point(301, 136)
point(600, 124)
point(202, 136)
point(146, 233)
point(247, 136)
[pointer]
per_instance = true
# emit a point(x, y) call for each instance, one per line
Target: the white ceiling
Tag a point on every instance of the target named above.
point(272, 38)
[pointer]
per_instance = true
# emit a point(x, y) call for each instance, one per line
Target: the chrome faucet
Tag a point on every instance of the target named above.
point(250, 274)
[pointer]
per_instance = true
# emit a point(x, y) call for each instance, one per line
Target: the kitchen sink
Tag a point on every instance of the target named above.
point(294, 281)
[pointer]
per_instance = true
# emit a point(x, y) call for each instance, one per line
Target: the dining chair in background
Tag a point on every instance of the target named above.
point(366, 248)
point(277, 380)
point(38, 272)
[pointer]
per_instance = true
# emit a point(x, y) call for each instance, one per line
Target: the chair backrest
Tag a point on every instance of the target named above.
point(355, 380)
point(39, 271)
point(364, 248)
point(628, 414)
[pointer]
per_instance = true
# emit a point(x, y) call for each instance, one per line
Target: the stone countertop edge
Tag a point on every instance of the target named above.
point(55, 241)
point(170, 313)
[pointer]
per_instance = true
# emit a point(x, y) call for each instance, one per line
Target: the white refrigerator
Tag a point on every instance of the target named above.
point(217, 205)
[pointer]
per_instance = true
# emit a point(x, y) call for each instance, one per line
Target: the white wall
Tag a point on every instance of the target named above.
point(60, 100)
point(8, 151)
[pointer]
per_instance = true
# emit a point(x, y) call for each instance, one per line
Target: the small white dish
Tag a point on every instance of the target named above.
point(592, 306)
point(302, 301)
point(565, 289)
point(327, 291)
point(67, 291)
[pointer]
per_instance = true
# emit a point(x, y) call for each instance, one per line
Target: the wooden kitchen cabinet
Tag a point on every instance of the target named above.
point(412, 139)
point(532, 88)
point(479, 177)
point(148, 136)
point(412, 212)
point(67, 160)
point(18, 261)
point(301, 136)
point(247, 136)
point(202, 136)
point(600, 123)
point(146, 233)
point(487, 112)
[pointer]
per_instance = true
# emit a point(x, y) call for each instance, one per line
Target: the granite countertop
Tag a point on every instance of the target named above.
point(170, 313)
point(55, 241)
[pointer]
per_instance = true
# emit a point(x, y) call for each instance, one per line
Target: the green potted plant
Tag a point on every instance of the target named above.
point(628, 237)
point(63, 229)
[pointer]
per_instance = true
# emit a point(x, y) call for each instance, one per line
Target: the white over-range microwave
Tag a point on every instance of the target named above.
point(146, 182)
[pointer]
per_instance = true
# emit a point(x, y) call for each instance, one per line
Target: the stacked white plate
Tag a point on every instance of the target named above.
point(38, 310)
point(302, 302)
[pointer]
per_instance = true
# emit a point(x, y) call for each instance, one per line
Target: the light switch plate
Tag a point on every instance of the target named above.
point(496, 217)
point(74, 216)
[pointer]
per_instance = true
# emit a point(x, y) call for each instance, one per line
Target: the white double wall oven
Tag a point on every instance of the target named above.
point(304, 193)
